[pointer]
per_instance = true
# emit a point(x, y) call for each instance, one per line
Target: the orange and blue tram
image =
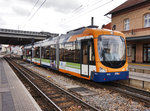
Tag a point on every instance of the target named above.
point(88, 52)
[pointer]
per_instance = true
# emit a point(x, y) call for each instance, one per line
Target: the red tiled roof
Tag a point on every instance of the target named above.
point(107, 26)
point(127, 4)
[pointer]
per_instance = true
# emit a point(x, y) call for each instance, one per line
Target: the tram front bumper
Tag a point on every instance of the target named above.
point(109, 76)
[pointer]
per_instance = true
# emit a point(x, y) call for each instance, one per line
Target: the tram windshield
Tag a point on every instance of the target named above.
point(111, 50)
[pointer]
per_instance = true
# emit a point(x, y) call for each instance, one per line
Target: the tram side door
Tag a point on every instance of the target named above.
point(85, 58)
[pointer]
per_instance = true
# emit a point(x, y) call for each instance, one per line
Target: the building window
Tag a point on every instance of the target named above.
point(147, 20)
point(126, 24)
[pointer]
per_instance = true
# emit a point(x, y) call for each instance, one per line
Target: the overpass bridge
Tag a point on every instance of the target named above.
point(20, 37)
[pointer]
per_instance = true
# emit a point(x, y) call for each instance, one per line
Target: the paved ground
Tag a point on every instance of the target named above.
point(13, 95)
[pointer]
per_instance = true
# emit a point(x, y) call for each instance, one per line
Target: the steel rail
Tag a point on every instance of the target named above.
point(35, 86)
point(134, 93)
point(55, 85)
point(127, 91)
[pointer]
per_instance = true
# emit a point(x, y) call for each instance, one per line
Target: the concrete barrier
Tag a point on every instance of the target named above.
point(136, 83)
point(132, 69)
point(139, 70)
point(146, 71)
point(147, 86)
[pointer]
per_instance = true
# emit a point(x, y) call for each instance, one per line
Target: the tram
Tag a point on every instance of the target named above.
point(88, 52)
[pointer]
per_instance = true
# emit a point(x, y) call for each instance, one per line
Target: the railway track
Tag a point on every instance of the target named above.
point(58, 98)
point(134, 93)
point(127, 91)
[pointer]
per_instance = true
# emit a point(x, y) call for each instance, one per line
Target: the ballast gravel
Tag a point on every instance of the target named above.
point(105, 99)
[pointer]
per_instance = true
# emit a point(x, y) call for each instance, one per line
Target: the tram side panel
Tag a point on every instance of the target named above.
point(73, 61)
point(81, 57)
point(69, 58)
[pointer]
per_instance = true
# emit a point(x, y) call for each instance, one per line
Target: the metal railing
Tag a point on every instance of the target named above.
point(27, 32)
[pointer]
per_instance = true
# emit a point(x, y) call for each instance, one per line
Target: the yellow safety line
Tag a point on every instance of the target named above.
point(139, 64)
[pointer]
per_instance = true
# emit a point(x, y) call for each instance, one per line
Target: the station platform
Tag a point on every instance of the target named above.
point(141, 68)
point(13, 94)
point(139, 76)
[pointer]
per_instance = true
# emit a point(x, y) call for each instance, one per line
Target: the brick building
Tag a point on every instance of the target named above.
point(133, 19)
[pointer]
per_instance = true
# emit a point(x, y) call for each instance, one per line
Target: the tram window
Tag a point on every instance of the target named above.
point(28, 52)
point(77, 52)
point(46, 53)
point(61, 52)
point(53, 52)
point(37, 52)
point(69, 52)
point(72, 52)
point(91, 54)
point(42, 52)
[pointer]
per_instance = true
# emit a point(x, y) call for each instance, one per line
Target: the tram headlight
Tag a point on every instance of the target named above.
point(102, 70)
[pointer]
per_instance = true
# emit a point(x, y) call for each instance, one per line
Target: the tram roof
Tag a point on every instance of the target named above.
point(73, 35)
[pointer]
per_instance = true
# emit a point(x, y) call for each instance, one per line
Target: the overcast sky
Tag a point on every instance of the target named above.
point(56, 16)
